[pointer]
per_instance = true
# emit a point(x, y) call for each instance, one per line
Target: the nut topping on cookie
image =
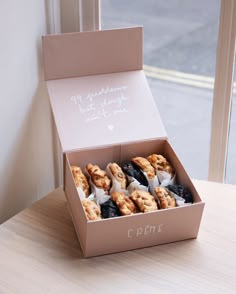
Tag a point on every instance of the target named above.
point(166, 199)
point(145, 166)
point(91, 209)
point(159, 162)
point(125, 205)
point(80, 179)
point(144, 200)
point(99, 177)
point(118, 174)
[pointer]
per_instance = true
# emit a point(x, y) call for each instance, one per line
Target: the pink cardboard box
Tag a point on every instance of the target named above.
point(105, 112)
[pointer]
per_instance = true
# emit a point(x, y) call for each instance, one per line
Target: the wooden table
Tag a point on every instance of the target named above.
point(39, 253)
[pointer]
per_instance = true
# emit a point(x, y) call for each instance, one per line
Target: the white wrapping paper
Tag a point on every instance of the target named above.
point(152, 182)
point(99, 195)
point(135, 185)
point(165, 178)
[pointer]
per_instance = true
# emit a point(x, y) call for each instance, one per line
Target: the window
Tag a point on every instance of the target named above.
point(180, 41)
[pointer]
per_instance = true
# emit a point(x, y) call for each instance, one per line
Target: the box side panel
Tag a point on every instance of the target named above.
point(142, 148)
point(99, 156)
point(182, 176)
point(143, 230)
point(140, 230)
point(92, 53)
point(75, 205)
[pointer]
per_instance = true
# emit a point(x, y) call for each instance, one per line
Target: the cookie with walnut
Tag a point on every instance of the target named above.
point(160, 163)
point(98, 177)
point(125, 205)
point(80, 179)
point(91, 209)
point(148, 170)
point(165, 198)
point(144, 200)
point(145, 166)
point(117, 176)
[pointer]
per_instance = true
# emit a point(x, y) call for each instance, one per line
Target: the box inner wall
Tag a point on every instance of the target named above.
point(124, 152)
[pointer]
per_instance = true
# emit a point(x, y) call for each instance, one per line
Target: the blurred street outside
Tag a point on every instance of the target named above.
point(180, 41)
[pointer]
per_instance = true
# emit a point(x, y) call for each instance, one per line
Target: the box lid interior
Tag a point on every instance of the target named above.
point(98, 90)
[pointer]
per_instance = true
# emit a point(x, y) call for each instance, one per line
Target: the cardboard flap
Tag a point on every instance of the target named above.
point(92, 53)
point(104, 109)
point(98, 91)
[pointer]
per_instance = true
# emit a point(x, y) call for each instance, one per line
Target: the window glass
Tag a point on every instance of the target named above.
point(180, 39)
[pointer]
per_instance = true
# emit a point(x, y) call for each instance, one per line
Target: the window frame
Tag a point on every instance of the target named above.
point(223, 88)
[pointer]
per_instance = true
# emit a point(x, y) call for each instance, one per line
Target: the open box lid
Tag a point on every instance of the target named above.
point(97, 88)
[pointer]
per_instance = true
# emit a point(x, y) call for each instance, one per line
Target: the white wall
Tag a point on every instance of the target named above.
point(27, 147)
